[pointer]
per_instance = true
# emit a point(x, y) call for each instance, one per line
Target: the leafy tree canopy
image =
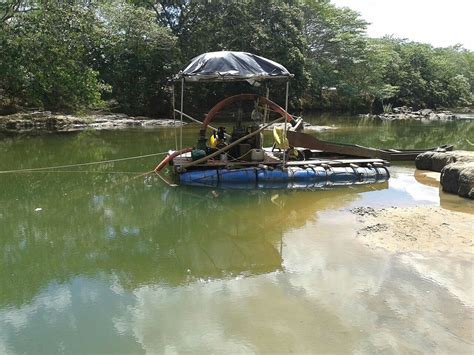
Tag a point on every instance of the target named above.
point(79, 54)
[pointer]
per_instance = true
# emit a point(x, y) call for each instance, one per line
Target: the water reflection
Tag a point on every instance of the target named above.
point(403, 181)
point(448, 201)
point(403, 134)
point(334, 296)
point(111, 262)
point(144, 232)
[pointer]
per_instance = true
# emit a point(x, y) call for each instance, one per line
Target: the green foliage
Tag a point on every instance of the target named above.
point(78, 54)
point(139, 55)
point(364, 71)
point(269, 28)
point(427, 76)
point(45, 53)
point(337, 55)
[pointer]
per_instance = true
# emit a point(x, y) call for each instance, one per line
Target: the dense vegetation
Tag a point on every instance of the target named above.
point(78, 54)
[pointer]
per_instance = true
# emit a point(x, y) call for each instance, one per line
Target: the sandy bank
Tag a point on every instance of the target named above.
point(420, 229)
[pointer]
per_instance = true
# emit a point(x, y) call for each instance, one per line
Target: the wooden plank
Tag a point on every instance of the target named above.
point(339, 162)
point(303, 140)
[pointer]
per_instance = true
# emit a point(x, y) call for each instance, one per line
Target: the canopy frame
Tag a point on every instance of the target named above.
point(229, 66)
point(239, 66)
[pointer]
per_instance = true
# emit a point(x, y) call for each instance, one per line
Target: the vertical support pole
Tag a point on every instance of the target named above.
point(284, 127)
point(267, 96)
point(173, 104)
point(181, 115)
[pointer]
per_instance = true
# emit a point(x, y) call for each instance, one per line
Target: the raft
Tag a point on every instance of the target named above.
point(290, 178)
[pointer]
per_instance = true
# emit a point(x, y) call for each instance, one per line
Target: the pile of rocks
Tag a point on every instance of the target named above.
point(456, 168)
point(45, 120)
point(407, 113)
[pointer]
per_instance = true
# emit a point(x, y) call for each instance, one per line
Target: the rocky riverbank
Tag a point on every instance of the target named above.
point(456, 168)
point(45, 120)
point(407, 113)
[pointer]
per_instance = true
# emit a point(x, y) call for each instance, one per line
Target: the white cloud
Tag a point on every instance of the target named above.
point(54, 302)
point(334, 296)
point(417, 191)
point(437, 22)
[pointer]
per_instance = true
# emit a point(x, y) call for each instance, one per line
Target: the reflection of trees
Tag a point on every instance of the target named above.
point(134, 228)
point(396, 134)
point(141, 231)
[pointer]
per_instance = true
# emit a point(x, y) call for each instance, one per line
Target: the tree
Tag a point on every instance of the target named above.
point(271, 28)
point(139, 56)
point(427, 76)
point(45, 52)
point(71, 55)
point(337, 56)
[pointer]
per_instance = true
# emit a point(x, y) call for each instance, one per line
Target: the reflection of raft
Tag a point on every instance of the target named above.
point(292, 177)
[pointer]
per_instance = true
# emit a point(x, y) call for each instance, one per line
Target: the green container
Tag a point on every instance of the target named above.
point(197, 154)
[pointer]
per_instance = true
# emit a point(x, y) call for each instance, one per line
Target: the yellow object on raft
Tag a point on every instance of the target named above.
point(212, 142)
point(279, 135)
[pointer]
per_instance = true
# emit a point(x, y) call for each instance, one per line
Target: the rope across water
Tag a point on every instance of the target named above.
point(81, 164)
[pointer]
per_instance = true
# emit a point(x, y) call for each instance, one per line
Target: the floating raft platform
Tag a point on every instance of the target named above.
point(296, 174)
point(289, 178)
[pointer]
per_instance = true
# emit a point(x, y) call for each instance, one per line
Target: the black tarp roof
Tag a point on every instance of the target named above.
point(233, 66)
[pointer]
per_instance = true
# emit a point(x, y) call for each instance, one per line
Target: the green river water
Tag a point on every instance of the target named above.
point(100, 259)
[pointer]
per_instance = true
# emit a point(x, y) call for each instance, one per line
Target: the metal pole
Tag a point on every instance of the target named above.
point(267, 95)
point(173, 103)
point(181, 116)
point(284, 127)
point(197, 121)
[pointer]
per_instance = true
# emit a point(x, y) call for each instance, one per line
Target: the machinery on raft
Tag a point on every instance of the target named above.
point(239, 160)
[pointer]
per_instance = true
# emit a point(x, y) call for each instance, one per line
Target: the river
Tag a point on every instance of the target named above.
point(102, 259)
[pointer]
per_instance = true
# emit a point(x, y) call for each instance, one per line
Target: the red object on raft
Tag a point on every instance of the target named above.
point(170, 157)
point(245, 97)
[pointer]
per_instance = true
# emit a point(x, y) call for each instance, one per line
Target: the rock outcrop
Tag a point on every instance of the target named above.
point(45, 120)
point(457, 170)
point(407, 113)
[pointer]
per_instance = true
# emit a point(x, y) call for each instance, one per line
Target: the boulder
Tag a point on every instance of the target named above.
point(456, 167)
point(458, 178)
point(434, 161)
point(466, 182)
point(437, 160)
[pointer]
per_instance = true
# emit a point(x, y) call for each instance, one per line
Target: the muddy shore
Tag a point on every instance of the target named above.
point(424, 229)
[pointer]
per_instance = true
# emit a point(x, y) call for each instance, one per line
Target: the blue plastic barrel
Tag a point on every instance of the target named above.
point(367, 174)
point(315, 174)
point(239, 176)
point(276, 175)
point(199, 178)
point(382, 173)
point(291, 178)
point(343, 175)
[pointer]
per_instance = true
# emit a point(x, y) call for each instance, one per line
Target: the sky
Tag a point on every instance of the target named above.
point(439, 22)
